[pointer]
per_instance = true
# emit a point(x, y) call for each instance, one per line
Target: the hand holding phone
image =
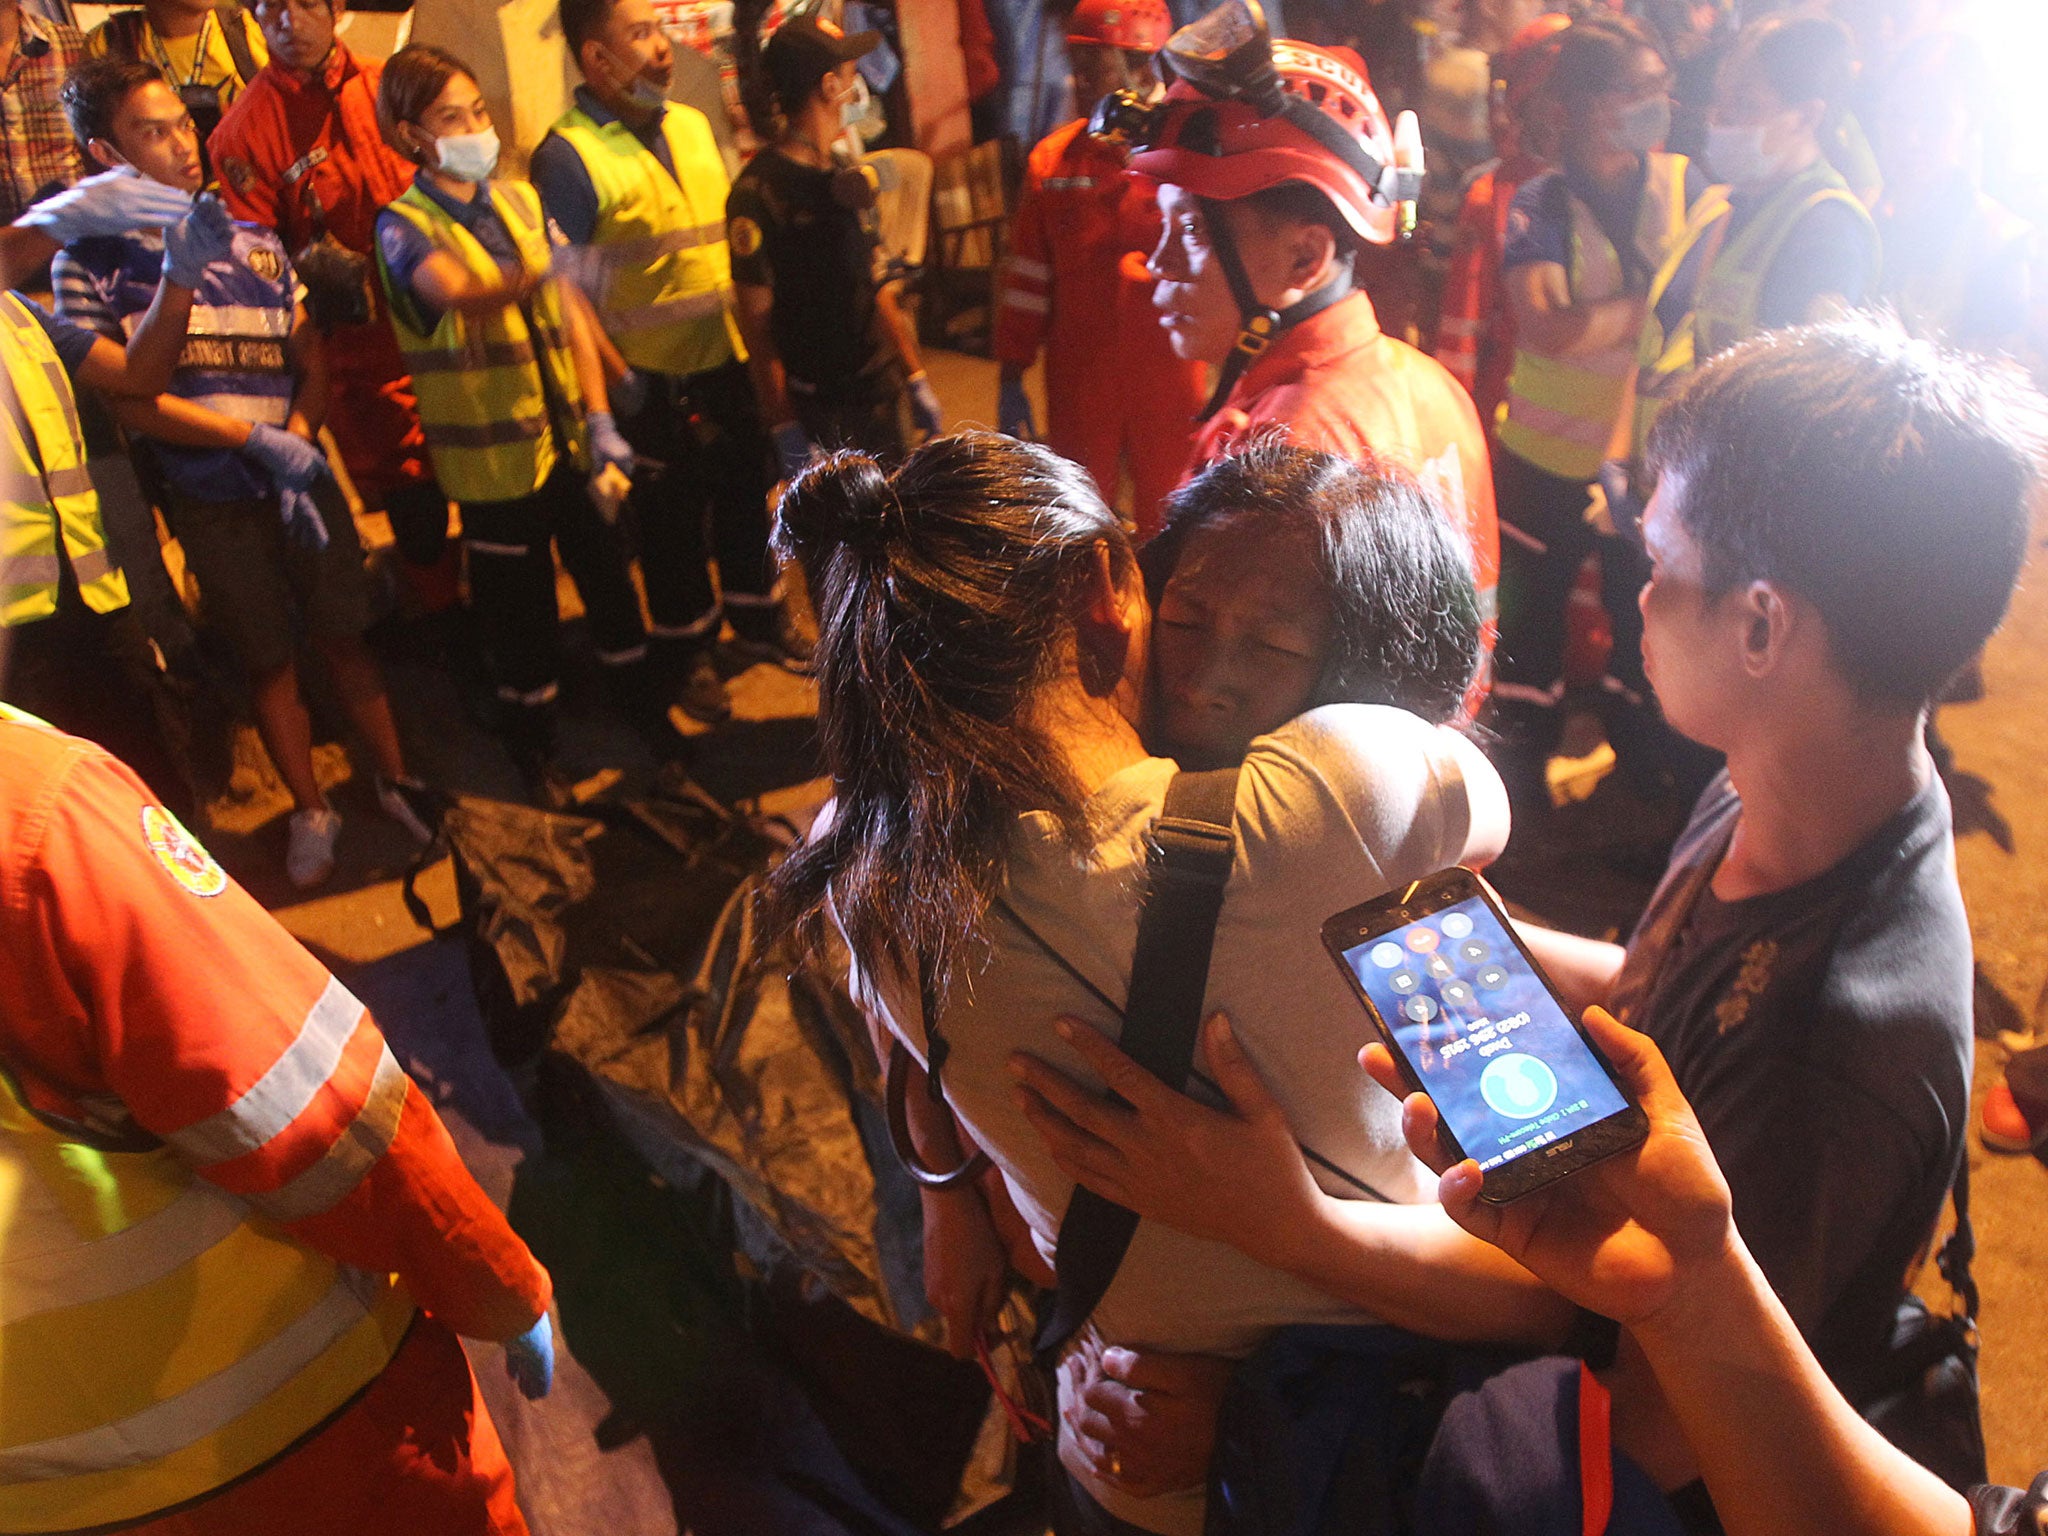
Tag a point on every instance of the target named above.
point(1471, 1021)
point(1625, 1239)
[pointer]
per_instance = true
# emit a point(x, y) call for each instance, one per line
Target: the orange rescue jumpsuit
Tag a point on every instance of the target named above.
point(134, 974)
point(1476, 334)
point(305, 157)
point(1075, 283)
point(1337, 383)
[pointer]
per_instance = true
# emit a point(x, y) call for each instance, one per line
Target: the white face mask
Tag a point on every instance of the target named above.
point(854, 105)
point(1737, 154)
point(641, 91)
point(468, 156)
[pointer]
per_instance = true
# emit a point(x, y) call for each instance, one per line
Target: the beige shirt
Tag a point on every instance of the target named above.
point(1336, 807)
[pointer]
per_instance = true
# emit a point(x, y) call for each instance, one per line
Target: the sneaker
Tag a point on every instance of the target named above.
point(411, 804)
point(2008, 1125)
point(700, 693)
point(309, 860)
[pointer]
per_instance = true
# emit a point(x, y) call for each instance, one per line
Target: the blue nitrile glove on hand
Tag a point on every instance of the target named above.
point(530, 1358)
point(924, 406)
point(792, 449)
point(303, 524)
point(628, 394)
point(608, 445)
point(294, 464)
point(116, 202)
point(195, 242)
point(1013, 411)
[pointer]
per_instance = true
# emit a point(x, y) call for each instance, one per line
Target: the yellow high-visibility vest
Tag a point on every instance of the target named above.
point(1560, 412)
point(494, 425)
point(663, 288)
point(46, 496)
point(1727, 295)
point(157, 1339)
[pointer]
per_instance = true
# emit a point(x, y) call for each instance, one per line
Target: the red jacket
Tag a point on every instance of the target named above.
point(303, 156)
point(1336, 382)
point(137, 980)
point(287, 142)
point(1476, 332)
point(1075, 284)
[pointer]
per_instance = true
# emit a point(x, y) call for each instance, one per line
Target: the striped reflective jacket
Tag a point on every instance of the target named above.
point(219, 1197)
point(46, 498)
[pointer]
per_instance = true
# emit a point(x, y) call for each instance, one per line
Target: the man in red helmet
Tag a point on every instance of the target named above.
point(1075, 282)
point(1275, 164)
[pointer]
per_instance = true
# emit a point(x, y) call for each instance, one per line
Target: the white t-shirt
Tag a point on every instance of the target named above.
point(1335, 807)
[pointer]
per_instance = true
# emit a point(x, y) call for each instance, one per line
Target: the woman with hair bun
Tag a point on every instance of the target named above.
point(986, 655)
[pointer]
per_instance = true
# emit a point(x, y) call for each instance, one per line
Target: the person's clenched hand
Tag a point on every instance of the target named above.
point(1145, 1420)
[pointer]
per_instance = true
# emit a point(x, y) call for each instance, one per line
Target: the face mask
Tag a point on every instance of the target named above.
point(1643, 126)
point(468, 156)
point(855, 106)
point(640, 91)
point(1737, 154)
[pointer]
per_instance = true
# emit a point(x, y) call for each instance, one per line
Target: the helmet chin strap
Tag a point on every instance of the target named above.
point(1259, 325)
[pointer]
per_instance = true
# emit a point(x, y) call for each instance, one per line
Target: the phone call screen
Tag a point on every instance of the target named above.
point(1491, 1045)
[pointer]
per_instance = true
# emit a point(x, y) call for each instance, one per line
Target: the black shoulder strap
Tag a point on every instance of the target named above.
point(1954, 1259)
point(233, 22)
point(1192, 847)
point(124, 34)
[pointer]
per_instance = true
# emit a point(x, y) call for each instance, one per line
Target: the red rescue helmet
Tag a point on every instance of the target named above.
point(1141, 26)
point(1524, 64)
point(1227, 149)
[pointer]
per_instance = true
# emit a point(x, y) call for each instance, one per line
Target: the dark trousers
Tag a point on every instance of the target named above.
point(1071, 1510)
point(708, 501)
point(418, 510)
point(864, 414)
point(95, 675)
point(512, 585)
point(1535, 590)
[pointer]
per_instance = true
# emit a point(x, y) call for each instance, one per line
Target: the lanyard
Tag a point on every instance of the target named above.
point(198, 53)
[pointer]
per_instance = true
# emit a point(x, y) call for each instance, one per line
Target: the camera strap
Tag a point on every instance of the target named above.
point(1189, 854)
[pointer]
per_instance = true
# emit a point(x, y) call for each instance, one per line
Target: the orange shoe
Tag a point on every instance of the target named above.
point(2007, 1125)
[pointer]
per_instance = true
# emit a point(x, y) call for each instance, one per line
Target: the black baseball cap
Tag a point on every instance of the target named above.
point(804, 50)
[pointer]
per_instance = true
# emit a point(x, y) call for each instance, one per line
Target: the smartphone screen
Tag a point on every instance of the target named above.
point(1507, 1070)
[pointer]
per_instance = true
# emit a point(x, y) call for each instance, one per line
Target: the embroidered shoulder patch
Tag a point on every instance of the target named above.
point(746, 236)
point(180, 854)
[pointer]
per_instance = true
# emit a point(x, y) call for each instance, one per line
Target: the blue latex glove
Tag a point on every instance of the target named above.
point(116, 202)
point(195, 242)
point(303, 524)
point(530, 1359)
point(294, 464)
point(792, 449)
point(1013, 411)
point(628, 395)
point(608, 445)
point(924, 406)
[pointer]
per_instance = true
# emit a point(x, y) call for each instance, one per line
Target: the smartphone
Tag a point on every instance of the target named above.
point(1474, 1023)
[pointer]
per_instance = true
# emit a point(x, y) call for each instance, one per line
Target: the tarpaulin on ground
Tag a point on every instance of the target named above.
point(624, 940)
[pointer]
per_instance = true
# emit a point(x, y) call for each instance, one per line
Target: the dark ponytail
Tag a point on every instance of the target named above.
point(944, 594)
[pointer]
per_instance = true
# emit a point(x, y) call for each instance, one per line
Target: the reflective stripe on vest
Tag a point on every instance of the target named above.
point(483, 407)
point(159, 1340)
point(46, 496)
point(665, 287)
point(1561, 412)
point(1726, 296)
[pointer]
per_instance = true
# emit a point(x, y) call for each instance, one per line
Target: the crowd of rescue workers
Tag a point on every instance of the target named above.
point(1655, 403)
